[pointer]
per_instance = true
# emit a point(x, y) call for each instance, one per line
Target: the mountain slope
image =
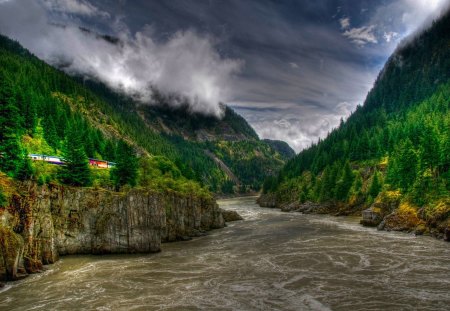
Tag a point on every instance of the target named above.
point(282, 147)
point(50, 101)
point(392, 154)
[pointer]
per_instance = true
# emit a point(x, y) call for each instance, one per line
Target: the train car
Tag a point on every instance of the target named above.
point(46, 158)
point(98, 163)
point(36, 157)
point(54, 160)
point(59, 161)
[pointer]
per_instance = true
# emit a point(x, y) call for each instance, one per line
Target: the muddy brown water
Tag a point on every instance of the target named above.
point(269, 261)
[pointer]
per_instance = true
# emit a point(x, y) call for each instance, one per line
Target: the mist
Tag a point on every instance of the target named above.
point(185, 64)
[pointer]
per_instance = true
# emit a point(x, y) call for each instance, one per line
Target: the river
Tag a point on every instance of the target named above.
point(269, 261)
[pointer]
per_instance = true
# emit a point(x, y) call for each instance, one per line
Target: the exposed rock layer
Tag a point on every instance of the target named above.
point(43, 223)
point(386, 213)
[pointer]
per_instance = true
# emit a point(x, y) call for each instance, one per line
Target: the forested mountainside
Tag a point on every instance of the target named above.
point(396, 147)
point(282, 147)
point(45, 111)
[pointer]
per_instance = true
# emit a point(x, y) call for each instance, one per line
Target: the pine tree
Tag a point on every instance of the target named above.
point(357, 184)
point(345, 183)
point(3, 200)
point(328, 184)
point(30, 115)
point(402, 170)
point(125, 171)
point(25, 169)
point(50, 134)
point(375, 186)
point(76, 171)
point(9, 130)
point(429, 151)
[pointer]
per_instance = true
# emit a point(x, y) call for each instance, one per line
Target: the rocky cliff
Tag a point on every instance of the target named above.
point(388, 213)
point(43, 222)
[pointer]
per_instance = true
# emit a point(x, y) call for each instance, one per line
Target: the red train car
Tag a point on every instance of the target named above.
point(98, 163)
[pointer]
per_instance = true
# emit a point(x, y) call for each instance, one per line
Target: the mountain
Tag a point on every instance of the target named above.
point(282, 147)
point(392, 155)
point(45, 104)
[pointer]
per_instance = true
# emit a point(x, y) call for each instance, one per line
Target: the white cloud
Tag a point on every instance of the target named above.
point(362, 35)
point(186, 64)
point(298, 125)
point(418, 11)
point(345, 23)
point(282, 123)
point(294, 65)
point(388, 36)
point(79, 7)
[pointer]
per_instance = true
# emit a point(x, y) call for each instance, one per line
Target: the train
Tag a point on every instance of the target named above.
point(59, 161)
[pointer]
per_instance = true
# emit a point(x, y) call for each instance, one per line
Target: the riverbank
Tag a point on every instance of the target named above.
point(387, 213)
point(270, 261)
point(42, 223)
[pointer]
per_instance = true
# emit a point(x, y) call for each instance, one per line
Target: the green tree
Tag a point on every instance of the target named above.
point(345, 183)
point(30, 115)
point(357, 184)
point(3, 200)
point(50, 133)
point(402, 170)
point(76, 171)
point(25, 169)
point(9, 130)
point(375, 186)
point(126, 169)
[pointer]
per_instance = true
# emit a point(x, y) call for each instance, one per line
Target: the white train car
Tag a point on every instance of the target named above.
point(46, 158)
point(58, 161)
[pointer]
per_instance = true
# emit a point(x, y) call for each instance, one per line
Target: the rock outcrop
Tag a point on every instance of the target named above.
point(371, 217)
point(229, 216)
point(267, 200)
point(42, 223)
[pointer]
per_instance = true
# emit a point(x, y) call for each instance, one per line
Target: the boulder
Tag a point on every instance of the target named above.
point(229, 216)
point(371, 217)
point(267, 200)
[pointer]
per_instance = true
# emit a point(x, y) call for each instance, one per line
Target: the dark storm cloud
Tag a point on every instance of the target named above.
point(293, 69)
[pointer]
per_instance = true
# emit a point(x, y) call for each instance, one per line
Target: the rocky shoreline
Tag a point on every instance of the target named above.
point(386, 213)
point(42, 223)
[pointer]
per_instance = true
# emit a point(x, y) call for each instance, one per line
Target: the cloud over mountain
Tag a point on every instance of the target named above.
point(186, 63)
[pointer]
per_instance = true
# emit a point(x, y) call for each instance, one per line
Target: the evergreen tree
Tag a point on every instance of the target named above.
point(25, 169)
point(9, 130)
point(375, 186)
point(76, 171)
point(345, 183)
point(429, 150)
point(109, 151)
point(30, 115)
point(328, 183)
point(357, 185)
point(125, 171)
point(3, 200)
point(402, 170)
point(50, 134)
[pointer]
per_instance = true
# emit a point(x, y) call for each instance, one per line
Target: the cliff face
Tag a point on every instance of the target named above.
point(43, 223)
point(386, 213)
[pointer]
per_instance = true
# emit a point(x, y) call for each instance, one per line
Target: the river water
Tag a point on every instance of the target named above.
point(269, 261)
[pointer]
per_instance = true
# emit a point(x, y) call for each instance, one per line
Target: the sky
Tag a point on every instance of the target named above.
point(293, 69)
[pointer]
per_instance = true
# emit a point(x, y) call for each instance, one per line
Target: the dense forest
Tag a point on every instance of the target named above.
point(45, 111)
point(398, 142)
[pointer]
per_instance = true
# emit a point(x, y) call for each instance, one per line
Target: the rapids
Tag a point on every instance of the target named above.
point(269, 261)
